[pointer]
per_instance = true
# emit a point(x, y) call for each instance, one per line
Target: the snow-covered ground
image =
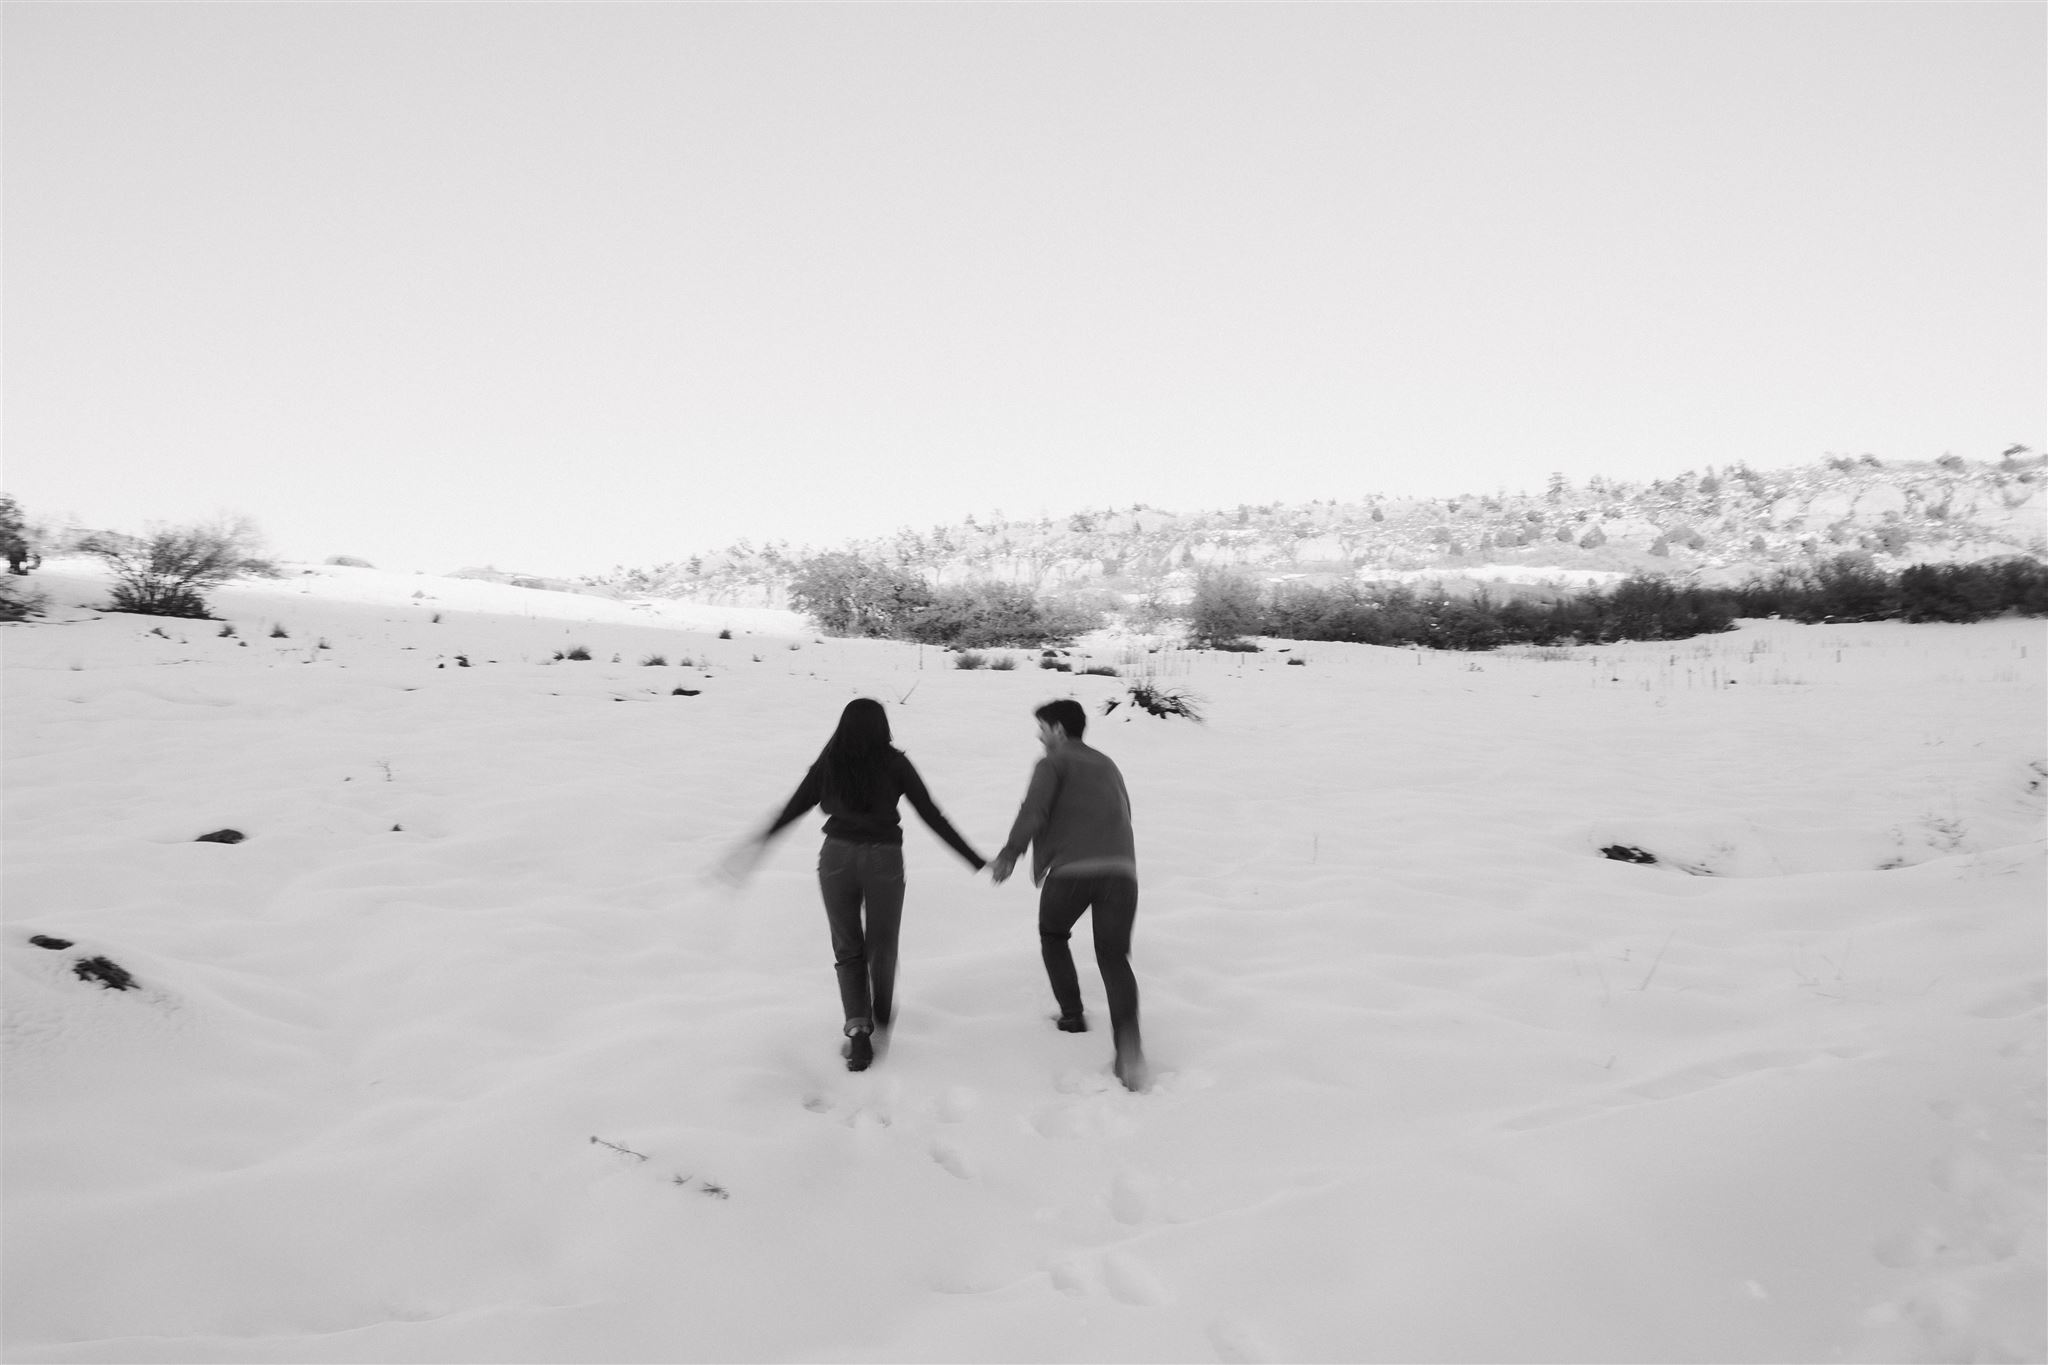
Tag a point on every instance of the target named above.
point(459, 1056)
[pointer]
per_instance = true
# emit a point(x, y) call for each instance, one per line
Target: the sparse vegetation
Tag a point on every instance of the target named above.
point(1851, 587)
point(1149, 696)
point(168, 571)
point(579, 653)
point(18, 603)
point(1226, 608)
point(655, 661)
point(17, 546)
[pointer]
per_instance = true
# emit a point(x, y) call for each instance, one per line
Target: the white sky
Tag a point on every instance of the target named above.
point(562, 287)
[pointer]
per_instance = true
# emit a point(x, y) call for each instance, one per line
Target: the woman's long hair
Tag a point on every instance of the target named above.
point(852, 764)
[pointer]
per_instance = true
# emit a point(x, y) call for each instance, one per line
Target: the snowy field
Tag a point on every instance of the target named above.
point(460, 1056)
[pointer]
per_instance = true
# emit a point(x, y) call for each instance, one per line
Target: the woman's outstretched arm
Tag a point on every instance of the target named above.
point(921, 802)
point(737, 865)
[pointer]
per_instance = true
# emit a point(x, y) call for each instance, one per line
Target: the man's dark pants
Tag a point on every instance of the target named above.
point(1061, 903)
point(852, 875)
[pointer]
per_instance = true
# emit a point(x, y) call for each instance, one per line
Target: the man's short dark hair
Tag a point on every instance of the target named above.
point(1065, 713)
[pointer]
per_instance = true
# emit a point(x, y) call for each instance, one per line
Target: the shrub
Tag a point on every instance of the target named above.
point(1225, 607)
point(18, 603)
point(1003, 663)
point(994, 616)
point(1852, 588)
point(167, 572)
point(1101, 671)
point(848, 595)
point(969, 659)
point(1972, 592)
point(654, 661)
point(278, 632)
point(1165, 701)
point(350, 562)
point(581, 653)
point(15, 544)
point(725, 634)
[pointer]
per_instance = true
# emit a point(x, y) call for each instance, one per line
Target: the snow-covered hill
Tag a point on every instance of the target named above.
point(458, 1056)
point(1721, 526)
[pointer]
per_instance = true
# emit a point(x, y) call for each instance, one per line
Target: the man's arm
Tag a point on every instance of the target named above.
point(1031, 818)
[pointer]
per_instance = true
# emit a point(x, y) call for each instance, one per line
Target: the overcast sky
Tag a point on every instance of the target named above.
point(564, 287)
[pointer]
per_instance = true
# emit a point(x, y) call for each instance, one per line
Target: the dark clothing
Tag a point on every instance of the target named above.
point(1076, 817)
point(877, 823)
point(1115, 902)
point(851, 875)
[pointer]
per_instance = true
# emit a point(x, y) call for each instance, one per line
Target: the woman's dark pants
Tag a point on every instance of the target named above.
point(852, 877)
point(1061, 903)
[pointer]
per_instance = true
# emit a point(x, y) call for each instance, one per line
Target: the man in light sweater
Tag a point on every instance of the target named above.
point(1076, 818)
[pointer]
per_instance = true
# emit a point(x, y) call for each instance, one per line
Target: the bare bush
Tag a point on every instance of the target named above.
point(168, 571)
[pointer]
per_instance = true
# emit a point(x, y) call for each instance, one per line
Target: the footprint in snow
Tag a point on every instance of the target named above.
point(1133, 1197)
point(1237, 1342)
point(1129, 1280)
point(2013, 1002)
point(953, 1157)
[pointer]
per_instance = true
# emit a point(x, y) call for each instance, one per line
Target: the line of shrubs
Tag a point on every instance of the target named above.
point(1643, 608)
point(848, 595)
point(1848, 587)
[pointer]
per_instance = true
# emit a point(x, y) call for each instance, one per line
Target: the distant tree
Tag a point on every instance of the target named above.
point(168, 571)
point(15, 542)
point(993, 615)
point(1225, 608)
point(1850, 587)
point(847, 594)
point(1593, 539)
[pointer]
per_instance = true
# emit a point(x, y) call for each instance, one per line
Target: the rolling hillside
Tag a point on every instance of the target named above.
point(1718, 525)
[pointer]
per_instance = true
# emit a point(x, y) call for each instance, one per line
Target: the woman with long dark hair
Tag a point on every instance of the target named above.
point(857, 780)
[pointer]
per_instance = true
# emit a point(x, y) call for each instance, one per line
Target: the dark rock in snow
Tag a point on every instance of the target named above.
point(45, 941)
point(222, 836)
point(1625, 853)
point(687, 692)
point(108, 973)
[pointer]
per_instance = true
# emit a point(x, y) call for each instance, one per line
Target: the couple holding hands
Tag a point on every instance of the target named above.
point(1075, 819)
